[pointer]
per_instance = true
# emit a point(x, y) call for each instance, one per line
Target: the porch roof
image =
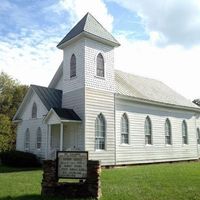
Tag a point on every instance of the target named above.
point(61, 115)
point(67, 114)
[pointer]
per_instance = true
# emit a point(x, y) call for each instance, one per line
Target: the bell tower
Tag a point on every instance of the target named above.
point(90, 91)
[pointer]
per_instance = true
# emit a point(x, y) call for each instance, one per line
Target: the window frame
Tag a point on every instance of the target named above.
point(27, 140)
point(73, 72)
point(198, 136)
point(100, 121)
point(39, 132)
point(34, 111)
point(147, 136)
point(97, 67)
point(124, 130)
point(168, 132)
point(184, 137)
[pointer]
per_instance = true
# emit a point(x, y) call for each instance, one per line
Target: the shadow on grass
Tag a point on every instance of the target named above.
point(35, 197)
point(29, 197)
point(6, 169)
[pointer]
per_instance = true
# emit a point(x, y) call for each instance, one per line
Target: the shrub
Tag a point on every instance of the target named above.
point(19, 159)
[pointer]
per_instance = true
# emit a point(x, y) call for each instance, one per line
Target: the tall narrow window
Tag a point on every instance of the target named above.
point(39, 139)
point(124, 129)
point(168, 133)
point(184, 132)
point(73, 66)
point(34, 110)
point(100, 132)
point(198, 136)
point(148, 131)
point(27, 140)
point(100, 65)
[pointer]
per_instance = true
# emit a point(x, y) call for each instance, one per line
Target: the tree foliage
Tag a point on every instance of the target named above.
point(11, 95)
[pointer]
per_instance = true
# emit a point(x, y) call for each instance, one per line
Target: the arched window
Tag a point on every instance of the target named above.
point(148, 131)
point(39, 139)
point(184, 132)
point(168, 132)
point(100, 65)
point(124, 129)
point(27, 140)
point(100, 132)
point(198, 136)
point(34, 110)
point(73, 66)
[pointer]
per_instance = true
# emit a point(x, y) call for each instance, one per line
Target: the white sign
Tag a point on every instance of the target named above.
point(72, 164)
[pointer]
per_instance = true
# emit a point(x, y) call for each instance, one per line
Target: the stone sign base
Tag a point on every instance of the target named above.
point(89, 188)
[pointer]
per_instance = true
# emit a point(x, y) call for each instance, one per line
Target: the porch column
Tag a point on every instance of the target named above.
point(48, 141)
point(61, 136)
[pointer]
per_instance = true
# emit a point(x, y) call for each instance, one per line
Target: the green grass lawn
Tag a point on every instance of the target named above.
point(179, 181)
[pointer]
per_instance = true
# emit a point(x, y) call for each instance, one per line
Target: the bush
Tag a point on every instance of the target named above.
point(19, 159)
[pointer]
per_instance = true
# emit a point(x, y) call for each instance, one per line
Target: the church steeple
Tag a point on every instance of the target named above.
point(89, 27)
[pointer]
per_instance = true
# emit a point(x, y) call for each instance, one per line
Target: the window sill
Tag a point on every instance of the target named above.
point(72, 78)
point(100, 77)
point(148, 145)
point(124, 145)
point(99, 150)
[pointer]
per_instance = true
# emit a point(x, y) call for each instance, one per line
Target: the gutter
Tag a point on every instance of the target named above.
point(157, 103)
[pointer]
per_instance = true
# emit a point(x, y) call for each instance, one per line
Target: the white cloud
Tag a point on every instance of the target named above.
point(174, 65)
point(32, 59)
point(174, 22)
point(78, 8)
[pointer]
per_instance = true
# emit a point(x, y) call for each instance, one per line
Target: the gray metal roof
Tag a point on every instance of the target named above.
point(89, 25)
point(148, 89)
point(67, 114)
point(50, 97)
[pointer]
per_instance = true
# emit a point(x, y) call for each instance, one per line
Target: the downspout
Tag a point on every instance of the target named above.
point(196, 136)
point(115, 134)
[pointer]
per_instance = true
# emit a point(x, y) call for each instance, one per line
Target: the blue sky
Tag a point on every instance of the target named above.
point(159, 38)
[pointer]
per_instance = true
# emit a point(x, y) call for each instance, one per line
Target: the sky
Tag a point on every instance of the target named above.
point(159, 39)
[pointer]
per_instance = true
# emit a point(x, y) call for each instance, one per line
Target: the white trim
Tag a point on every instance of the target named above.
point(61, 136)
point(156, 103)
point(28, 95)
point(95, 64)
point(73, 121)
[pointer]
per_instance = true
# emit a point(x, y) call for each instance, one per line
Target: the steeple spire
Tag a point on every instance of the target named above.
point(91, 28)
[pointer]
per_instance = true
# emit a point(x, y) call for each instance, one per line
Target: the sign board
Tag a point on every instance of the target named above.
point(72, 164)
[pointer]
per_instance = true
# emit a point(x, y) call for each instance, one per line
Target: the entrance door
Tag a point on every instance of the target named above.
point(70, 137)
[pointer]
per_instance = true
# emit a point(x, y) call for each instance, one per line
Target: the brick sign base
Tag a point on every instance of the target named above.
point(89, 188)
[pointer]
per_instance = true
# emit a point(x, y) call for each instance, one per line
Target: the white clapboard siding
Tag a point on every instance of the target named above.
point(104, 105)
point(92, 49)
point(59, 84)
point(198, 126)
point(26, 113)
point(76, 100)
point(33, 125)
point(136, 151)
point(71, 84)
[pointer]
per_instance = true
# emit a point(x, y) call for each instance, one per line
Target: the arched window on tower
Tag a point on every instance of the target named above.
point(198, 136)
point(100, 132)
point(100, 66)
point(34, 110)
point(73, 66)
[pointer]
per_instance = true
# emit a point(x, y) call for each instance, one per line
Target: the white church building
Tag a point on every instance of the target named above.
point(119, 118)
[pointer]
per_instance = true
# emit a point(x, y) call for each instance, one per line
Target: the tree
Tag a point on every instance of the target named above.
point(11, 95)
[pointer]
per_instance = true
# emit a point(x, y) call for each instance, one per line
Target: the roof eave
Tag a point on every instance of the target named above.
point(87, 35)
point(157, 103)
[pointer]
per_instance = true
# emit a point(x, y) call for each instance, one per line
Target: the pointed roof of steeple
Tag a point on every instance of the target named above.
point(89, 26)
